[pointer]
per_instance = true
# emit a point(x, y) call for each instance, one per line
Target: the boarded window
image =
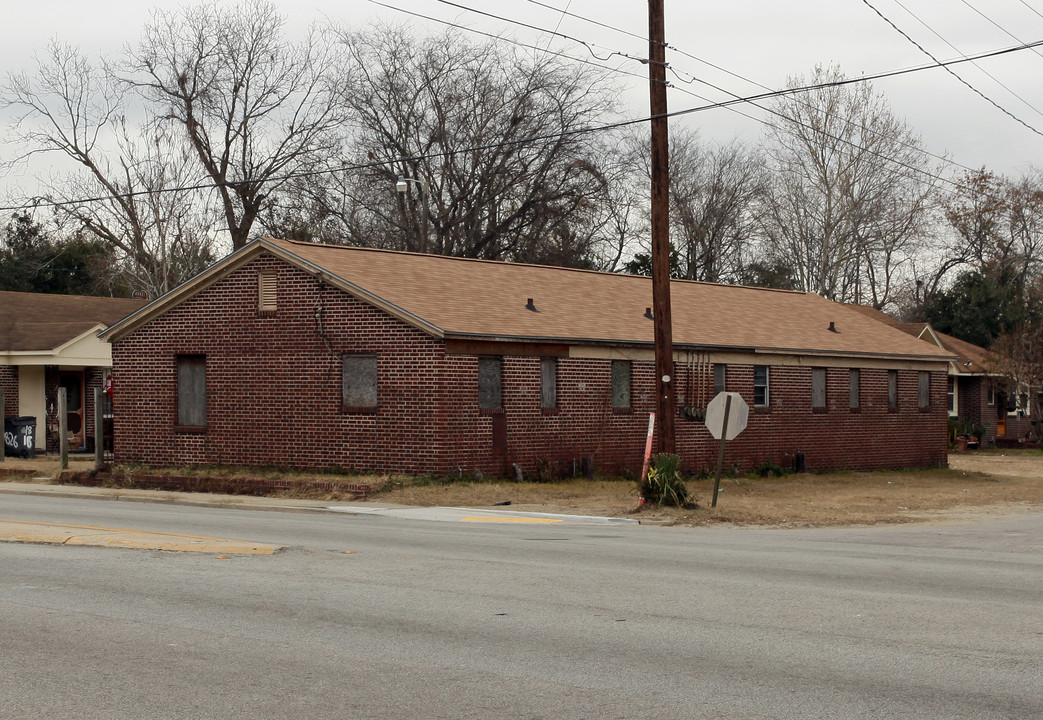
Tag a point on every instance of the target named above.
point(924, 389)
point(761, 396)
point(818, 387)
point(855, 390)
point(359, 381)
point(549, 382)
point(620, 383)
point(267, 291)
point(892, 389)
point(720, 379)
point(191, 390)
point(490, 382)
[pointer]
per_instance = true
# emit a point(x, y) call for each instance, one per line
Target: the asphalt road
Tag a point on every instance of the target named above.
point(378, 617)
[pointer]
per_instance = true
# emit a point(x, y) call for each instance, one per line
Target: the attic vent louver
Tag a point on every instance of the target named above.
point(267, 291)
point(530, 306)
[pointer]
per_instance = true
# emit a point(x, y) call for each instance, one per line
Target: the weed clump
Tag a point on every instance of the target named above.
point(664, 484)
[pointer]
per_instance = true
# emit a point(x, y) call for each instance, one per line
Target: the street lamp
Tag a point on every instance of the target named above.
point(402, 186)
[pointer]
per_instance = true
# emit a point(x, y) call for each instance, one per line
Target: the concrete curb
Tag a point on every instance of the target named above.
point(266, 504)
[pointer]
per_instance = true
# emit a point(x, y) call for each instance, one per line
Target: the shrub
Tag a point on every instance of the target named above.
point(770, 469)
point(664, 484)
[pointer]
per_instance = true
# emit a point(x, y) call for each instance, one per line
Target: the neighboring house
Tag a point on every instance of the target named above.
point(976, 393)
point(301, 355)
point(50, 341)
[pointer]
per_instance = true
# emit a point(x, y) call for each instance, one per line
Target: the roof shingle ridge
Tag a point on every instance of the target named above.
point(538, 266)
point(67, 295)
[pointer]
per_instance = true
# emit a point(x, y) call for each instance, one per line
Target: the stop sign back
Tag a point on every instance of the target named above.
point(738, 414)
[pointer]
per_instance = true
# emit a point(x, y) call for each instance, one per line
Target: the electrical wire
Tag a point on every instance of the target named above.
point(691, 79)
point(951, 72)
point(997, 25)
point(501, 38)
point(1032, 8)
point(992, 77)
point(41, 202)
point(677, 73)
point(565, 12)
point(588, 45)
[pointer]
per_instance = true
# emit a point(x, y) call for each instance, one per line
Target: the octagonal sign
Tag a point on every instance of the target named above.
point(738, 414)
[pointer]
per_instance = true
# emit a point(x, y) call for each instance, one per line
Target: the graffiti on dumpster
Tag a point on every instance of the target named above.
point(19, 442)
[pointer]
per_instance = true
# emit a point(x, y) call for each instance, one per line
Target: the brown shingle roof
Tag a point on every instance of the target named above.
point(37, 322)
point(474, 298)
point(971, 358)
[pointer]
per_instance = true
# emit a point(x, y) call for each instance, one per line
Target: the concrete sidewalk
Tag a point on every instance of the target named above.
point(56, 533)
point(243, 502)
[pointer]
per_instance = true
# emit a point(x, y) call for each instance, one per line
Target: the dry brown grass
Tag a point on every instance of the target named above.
point(982, 483)
point(976, 484)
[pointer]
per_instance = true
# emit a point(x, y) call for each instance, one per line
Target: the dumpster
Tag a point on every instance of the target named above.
point(20, 436)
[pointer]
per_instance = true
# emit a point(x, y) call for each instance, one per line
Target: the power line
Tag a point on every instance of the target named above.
point(501, 38)
point(752, 99)
point(694, 79)
point(986, 72)
point(996, 24)
point(588, 20)
point(588, 45)
point(950, 71)
point(676, 73)
point(1031, 8)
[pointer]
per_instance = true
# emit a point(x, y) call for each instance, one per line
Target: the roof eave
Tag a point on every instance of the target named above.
point(354, 290)
point(236, 260)
point(182, 292)
point(493, 337)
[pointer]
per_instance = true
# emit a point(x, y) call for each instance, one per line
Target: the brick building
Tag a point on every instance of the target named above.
point(50, 341)
point(301, 355)
point(977, 393)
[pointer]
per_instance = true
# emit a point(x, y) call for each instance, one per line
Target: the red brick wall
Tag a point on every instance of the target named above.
point(9, 382)
point(274, 388)
point(870, 437)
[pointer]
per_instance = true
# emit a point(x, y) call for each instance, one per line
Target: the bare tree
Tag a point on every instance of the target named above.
point(493, 139)
point(851, 191)
point(254, 106)
point(997, 228)
point(124, 185)
point(714, 195)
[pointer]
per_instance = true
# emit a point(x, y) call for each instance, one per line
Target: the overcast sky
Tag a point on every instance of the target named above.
point(764, 41)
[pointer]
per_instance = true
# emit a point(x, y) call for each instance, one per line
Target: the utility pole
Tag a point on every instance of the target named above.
point(664, 346)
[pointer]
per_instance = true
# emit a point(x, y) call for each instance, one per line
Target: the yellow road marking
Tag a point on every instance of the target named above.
point(504, 519)
point(70, 534)
point(111, 529)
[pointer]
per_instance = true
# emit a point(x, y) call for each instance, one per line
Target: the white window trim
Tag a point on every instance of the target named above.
point(767, 386)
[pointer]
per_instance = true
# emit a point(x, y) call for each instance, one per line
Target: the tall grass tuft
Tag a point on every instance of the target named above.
point(664, 484)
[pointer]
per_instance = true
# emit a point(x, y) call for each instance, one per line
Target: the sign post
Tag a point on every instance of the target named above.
point(726, 417)
point(648, 446)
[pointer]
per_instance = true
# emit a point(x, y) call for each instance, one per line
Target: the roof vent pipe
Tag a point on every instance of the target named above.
point(530, 306)
point(648, 313)
point(833, 327)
